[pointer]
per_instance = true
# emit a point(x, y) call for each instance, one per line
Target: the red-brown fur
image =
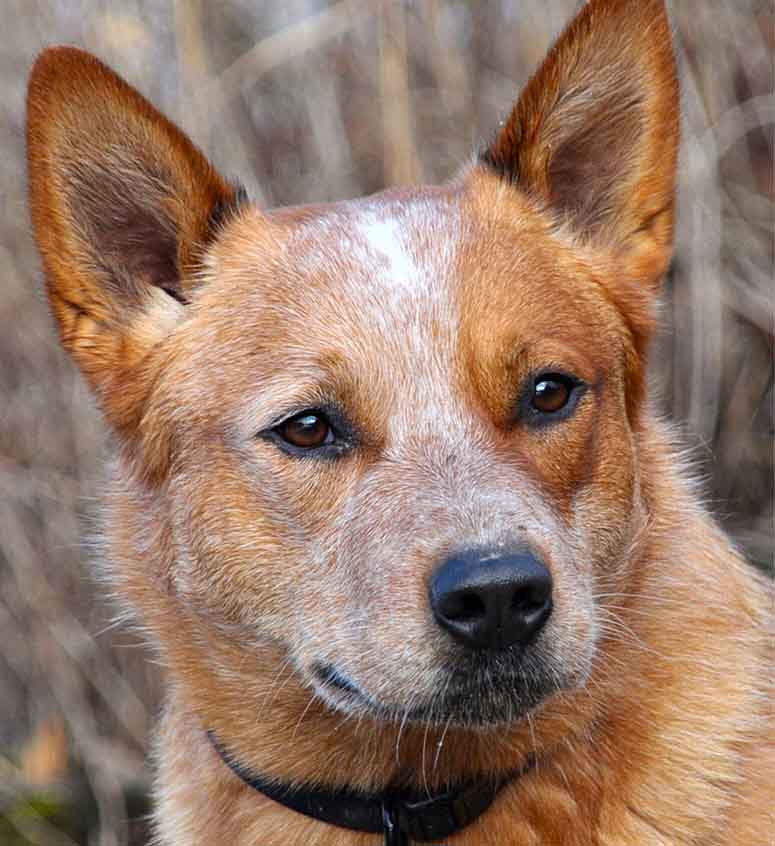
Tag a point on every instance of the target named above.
point(198, 321)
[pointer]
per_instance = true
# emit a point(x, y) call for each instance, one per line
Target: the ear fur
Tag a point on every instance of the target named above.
point(122, 206)
point(594, 136)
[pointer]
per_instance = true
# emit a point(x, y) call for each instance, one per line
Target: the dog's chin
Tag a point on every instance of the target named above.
point(461, 701)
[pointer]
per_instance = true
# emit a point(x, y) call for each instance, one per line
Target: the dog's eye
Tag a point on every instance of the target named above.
point(551, 393)
point(307, 430)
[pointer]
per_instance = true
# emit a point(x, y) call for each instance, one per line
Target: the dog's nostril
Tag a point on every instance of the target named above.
point(531, 598)
point(462, 606)
point(470, 605)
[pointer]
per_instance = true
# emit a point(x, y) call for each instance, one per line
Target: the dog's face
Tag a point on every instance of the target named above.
point(374, 411)
point(394, 438)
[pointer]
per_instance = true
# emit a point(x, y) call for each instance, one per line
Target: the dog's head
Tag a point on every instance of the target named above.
point(393, 439)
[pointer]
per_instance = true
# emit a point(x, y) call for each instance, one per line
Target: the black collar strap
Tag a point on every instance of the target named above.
point(401, 816)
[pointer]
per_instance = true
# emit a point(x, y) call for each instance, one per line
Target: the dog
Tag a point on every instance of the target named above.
point(390, 496)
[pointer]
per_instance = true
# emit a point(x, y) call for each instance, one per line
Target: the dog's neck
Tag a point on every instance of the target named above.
point(402, 816)
point(190, 772)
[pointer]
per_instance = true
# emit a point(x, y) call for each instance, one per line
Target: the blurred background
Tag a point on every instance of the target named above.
point(311, 101)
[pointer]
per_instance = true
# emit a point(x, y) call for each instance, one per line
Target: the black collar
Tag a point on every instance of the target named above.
point(402, 816)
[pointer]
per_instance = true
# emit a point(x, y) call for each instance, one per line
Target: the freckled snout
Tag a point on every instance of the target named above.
point(490, 601)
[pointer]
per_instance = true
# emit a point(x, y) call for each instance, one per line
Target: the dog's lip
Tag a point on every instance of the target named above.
point(338, 683)
point(328, 675)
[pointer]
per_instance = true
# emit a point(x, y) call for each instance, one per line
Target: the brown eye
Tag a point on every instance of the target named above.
point(551, 393)
point(307, 430)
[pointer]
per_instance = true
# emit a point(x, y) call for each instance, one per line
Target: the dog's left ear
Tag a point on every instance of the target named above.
point(594, 135)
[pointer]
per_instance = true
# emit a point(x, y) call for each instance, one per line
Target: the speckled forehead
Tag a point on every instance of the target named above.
point(384, 274)
point(396, 254)
point(388, 267)
point(409, 275)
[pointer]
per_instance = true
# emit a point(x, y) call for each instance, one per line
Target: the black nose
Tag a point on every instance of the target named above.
point(489, 600)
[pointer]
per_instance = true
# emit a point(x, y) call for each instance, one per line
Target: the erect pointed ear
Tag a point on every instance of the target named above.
point(122, 206)
point(594, 135)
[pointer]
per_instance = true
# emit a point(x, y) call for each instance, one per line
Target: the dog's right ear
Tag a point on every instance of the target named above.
point(122, 206)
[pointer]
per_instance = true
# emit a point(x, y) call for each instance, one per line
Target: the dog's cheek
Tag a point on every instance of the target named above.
point(256, 549)
point(232, 559)
point(602, 517)
point(606, 509)
point(231, 575)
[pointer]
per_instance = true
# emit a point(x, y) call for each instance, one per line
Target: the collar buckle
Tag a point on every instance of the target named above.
point(394, 824)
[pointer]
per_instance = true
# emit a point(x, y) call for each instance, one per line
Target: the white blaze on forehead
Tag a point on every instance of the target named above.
point(383, 241)
point(406, 268)
point(409, 263)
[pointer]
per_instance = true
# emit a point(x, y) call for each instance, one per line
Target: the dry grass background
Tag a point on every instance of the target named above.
point(306, 101)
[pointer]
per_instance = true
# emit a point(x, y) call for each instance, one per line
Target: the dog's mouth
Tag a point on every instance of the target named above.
point(329, 676)
point(474, 698)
